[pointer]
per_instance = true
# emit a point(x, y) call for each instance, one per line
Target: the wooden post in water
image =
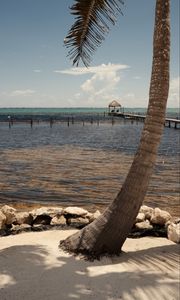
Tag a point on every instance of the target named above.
point(68, 121)
point(31, 122)
point(9, 119)
point(72, 120)
point(91, 120)
point(51, 122)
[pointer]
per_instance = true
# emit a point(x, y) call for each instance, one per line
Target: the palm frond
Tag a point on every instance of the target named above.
point(90, 27)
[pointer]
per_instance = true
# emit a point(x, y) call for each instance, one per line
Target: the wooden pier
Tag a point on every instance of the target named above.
point(171, 123)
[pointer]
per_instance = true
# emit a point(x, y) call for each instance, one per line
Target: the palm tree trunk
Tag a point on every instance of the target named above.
point(107, 234)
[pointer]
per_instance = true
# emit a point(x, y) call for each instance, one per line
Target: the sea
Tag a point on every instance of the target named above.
point(80, 157)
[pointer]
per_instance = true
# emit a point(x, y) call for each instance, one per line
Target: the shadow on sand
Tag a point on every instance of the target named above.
point(30, 272)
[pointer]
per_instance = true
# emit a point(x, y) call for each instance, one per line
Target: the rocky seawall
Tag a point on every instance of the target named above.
point(149, 221)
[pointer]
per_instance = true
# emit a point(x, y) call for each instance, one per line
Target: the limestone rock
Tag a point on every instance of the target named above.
point(48, 211)
point(174, 232)
point(75, 211)
point(20, 228)
point(89, 215)
point(147, 211)
point(10, 214)
point(143, 225)
point(2, 220)
point(23, 218)
point(94, 216)
point(78, 222)
point(160, 217)
point(58, 220)
point(177, 220)
point(140, 217)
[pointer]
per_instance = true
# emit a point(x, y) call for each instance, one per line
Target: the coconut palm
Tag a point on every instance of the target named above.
point(107, 234)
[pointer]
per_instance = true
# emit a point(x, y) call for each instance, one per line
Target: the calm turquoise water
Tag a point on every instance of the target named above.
point(50, 111)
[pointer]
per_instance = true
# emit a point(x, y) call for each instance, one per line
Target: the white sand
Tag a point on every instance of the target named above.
point(33, 268)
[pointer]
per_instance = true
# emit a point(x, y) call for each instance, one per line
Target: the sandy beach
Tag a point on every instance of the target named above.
point(32, 267)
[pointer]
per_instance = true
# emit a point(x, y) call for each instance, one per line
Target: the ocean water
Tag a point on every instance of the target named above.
point(82, 162)
point(42, 113)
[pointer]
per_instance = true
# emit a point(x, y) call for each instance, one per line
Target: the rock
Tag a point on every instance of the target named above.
point(2, 220)
point(40, 227)
point(48, 211)
point(147, 211)
point(140, 217)
point(167, 224)
point(10, 213)
point(23, 218)
point(156, 230)
point(174, 232)
point(58, 220)
point(177, 220)
point(143, 225)
point(78, 222)
point(42, 219)
point(75, 211)
point(160, 217)
point(89, 215)
point(94, 216)
point(20, 228)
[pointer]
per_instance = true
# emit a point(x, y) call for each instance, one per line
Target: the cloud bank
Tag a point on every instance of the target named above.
point(100, 88)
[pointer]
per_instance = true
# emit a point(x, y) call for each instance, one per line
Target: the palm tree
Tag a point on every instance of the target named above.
point(107, 234)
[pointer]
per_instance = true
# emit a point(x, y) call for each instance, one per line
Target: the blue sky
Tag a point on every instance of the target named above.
point(35, 72)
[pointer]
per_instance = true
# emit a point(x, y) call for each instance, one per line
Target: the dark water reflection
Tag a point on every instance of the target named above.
point(81, 165)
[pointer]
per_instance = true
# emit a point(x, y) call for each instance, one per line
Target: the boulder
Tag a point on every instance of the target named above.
point(94, 216)
point(48, 211)
point(174, 232)
point(160, 217)
point(78, 222)
point(10, 214)
point(23, 218)
point(177, 220)
point(2, 220)
point(147, 211)
point(75, 211)
point(20, 228)
point(58, 220)
point(140, 217)
point(143, 225)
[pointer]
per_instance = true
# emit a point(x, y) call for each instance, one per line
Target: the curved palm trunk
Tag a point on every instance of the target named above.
point(107, 234)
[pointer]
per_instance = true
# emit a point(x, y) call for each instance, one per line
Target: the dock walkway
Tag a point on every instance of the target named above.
point(171, 123)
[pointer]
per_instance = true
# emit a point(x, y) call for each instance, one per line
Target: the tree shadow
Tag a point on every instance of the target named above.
point(36, 272)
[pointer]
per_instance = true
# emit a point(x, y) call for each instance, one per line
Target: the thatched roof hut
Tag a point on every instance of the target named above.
point(114, 106)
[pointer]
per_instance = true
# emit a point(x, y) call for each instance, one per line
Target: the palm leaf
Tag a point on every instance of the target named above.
point(90, 27)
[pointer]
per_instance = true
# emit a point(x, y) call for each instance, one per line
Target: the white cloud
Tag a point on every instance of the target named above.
point(100, 88)
point(173, 99)
point(23, 93)
point(93, 70)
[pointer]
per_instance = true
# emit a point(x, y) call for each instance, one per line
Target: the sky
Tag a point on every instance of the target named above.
point(35, 70)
